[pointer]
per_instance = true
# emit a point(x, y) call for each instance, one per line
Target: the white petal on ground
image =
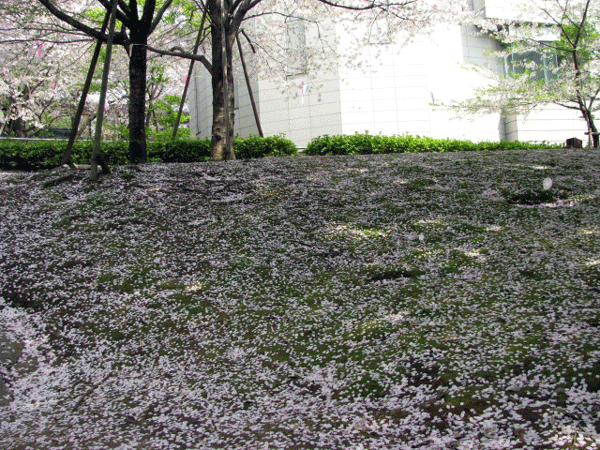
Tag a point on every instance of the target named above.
point(289, 303)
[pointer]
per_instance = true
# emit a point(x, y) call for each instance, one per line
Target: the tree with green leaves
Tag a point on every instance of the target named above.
point(555, 60)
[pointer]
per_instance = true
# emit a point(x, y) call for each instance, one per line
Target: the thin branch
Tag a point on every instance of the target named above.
point(122, 16)
point(59, 14)
point(370, 6)
point(160, 15)
point(71, 21)
point(249, 41)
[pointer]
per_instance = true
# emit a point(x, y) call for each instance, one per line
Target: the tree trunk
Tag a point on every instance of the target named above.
point(218, 146)
point(585, 112)
point(137, 100)
point(589, 118)
point(18, 127)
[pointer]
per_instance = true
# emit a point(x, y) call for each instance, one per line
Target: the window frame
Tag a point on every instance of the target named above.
point(295, 47)
point(547, 62)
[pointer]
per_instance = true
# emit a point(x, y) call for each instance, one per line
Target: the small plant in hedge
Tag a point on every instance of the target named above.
point(258, 147)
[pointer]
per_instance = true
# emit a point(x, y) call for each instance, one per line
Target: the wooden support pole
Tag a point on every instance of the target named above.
point(250, 93)
point(97, 156)
point(229, 152)
point(190, 74)
point(67, 159)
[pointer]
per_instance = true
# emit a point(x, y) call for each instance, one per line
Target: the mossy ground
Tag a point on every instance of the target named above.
point(391, 301)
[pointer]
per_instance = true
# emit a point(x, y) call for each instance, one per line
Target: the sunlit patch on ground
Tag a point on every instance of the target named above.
point(432, 301)
point(358, 233)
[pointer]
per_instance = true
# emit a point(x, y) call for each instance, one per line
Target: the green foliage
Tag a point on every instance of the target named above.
point(257, 147)
point(580, 39)
point(164, 112)
point(365, 144)
point(167, 133)
point(179, 150)
point(36, 155)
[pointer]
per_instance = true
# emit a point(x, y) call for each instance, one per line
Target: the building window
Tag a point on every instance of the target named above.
point(296, 56)
point(541, 64)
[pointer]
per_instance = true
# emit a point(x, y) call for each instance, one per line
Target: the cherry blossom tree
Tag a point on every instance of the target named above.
point(43, 66)
point(39, 75)
point(167, 22)
point(139, 22)
point(554, 60)
point(261, 22)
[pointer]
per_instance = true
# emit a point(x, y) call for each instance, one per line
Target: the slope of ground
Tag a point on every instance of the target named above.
point(377, 302)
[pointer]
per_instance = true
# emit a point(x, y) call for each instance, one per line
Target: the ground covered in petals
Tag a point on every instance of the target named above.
point(434, 301)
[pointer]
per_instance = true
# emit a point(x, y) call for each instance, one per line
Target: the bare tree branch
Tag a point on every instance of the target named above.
point(180, 53)
point(370, 6)
point(160, 14)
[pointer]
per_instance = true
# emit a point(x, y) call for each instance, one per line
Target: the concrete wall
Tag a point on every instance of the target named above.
point(395, 88)
point(550, 124)
point(301, 114)
point(200, 104)
point(306, 105)
point(300, 106)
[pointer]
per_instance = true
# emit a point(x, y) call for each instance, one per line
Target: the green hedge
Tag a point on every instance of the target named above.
point(366, 144)
point(177, 150)
point(34, 155)
point(257, 147)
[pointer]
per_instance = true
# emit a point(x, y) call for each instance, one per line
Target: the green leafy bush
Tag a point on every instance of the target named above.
point(258, 147)
point(366, 144)
point(179, 150)
point(32, 155)
point(41, 154)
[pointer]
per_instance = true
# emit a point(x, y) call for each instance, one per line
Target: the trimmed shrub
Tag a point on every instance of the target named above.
point(258, 147)
point(179, 150)
point(366, 144)
point(35, 155)
point(41, 154)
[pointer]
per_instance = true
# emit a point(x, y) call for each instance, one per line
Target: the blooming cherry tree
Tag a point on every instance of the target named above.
point(139, 22)
point(263, 25)
point(39, 75)
point(563, 44)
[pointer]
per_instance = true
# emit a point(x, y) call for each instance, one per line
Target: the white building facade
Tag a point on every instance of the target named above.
point(390, 89)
